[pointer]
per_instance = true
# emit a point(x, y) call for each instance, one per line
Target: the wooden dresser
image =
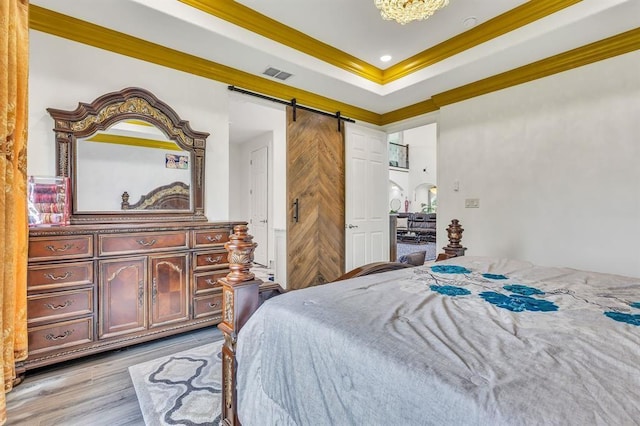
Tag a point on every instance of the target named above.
point(93, 288)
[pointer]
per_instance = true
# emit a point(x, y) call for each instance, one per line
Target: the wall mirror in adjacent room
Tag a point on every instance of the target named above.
point(130, 157)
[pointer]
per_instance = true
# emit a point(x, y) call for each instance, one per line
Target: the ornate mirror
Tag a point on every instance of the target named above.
point(130, 157)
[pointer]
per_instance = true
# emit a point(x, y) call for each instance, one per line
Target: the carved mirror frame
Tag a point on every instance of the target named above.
point(105, 111)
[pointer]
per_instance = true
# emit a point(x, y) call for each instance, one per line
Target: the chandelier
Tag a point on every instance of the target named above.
point(404, 11)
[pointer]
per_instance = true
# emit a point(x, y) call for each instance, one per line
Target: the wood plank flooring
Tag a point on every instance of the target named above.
point(96, 390)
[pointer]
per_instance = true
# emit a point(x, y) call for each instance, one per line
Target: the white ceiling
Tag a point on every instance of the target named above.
point(355, 27)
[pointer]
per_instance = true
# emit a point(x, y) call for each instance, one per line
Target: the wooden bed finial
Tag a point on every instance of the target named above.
point(454, 233)
point(240, 248)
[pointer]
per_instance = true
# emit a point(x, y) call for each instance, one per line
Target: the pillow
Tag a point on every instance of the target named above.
point(403, 223)
point(415, 259)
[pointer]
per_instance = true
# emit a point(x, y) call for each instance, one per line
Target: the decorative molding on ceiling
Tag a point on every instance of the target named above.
point(70, 28)
point(626, 42)
point(255, 22)
point(57, 24)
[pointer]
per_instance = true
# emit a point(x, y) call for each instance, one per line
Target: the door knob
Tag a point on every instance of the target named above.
point(352, 226)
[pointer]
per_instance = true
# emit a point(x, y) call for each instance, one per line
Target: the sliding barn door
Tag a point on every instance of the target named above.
point(315, 193)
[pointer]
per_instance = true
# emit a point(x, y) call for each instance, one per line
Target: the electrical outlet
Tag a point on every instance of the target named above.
point(472, 203)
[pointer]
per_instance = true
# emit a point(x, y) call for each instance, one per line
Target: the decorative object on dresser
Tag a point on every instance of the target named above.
point(48, 200)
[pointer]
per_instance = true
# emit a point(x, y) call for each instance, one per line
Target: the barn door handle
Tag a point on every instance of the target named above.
point(296, 207)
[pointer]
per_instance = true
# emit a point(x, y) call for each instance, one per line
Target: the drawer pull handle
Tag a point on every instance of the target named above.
point(210, 281)
point(214, 305)
point(214, 259)
point(146, 243)
point(60, 336)
point(63, 248)
point(56, 307)
point(59, 277)
point(217, 237)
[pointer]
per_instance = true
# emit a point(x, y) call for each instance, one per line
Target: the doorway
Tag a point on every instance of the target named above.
point(259, 203)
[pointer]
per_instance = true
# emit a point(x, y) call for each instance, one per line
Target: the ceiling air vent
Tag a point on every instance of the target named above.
point(281, 75)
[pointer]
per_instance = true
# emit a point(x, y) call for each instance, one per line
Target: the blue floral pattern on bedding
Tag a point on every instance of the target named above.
point(495, 276)
point(449, 269)
point(522, 289)
point(518, 303)
point(622, 317)
point(450, 290)
point(452, 280)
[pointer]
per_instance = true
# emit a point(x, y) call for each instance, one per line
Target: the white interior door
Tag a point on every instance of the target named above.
point(259, 193)
point(366, 208)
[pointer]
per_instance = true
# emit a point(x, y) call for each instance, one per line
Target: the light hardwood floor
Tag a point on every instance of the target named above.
point(94, 391)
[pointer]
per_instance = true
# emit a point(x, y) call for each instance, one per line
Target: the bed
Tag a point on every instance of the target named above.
point(173, 196)
point(466, 340)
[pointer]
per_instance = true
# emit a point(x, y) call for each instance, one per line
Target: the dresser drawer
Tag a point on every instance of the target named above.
point(211, 237)
point(141, 243)
point(207, 305)
point(59, 305)
point(60, 335)
point(47, 277)
point(208, 281)
point(50, 248)
point(210, 259)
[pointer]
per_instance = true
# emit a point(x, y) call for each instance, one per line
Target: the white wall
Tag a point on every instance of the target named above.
point(554, 163)
point(63, 73)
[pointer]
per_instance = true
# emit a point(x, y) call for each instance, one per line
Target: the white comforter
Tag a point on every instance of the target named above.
point(418, 347)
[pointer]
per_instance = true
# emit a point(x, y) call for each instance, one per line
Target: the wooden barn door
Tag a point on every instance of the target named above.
point(315, 195)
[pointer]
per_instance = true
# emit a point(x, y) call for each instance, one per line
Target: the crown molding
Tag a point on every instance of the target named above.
point(41, 19)
point(57, 24)
point(258, 23)
point(511, 20)
point(620, 44)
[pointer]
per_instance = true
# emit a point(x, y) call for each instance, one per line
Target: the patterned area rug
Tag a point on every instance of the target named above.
point(181, 389)
point(430, 248)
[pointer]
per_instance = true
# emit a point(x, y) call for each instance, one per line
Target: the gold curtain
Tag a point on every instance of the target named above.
point(14, 66)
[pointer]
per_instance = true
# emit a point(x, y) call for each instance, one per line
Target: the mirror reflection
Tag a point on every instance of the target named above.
point(131, 166)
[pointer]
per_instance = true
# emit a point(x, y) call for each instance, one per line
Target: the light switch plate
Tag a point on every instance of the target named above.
point(472, 203)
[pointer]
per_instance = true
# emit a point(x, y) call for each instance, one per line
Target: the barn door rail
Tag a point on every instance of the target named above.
point(294, 104)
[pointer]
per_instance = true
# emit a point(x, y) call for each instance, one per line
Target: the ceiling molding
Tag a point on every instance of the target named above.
point(500, 25)
point(626, 42)
point(258, 23)
point(64, 26)
point(60, 25)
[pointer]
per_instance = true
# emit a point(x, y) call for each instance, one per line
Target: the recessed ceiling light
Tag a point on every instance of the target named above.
point(469, 22)
point(385, 58)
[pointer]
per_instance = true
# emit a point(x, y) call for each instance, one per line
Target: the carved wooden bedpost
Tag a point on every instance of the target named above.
point(240, 291)
point(454, 233)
